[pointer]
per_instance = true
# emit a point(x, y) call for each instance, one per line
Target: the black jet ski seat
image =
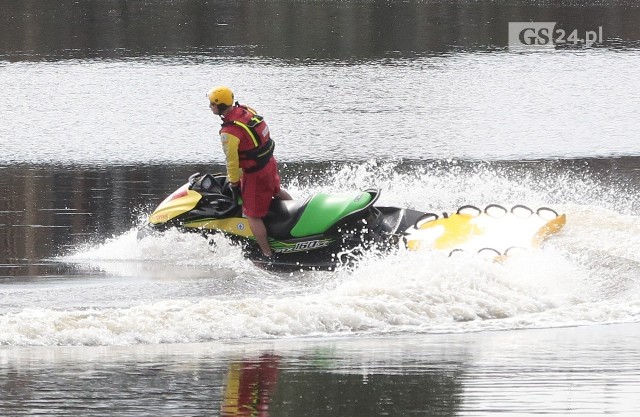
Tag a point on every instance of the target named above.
point(283, 216)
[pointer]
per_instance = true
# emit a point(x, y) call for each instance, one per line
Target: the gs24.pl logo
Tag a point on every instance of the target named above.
point(545, 35)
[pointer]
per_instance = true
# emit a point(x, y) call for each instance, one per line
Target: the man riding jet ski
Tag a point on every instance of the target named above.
point(327, 230)
point(251, 166)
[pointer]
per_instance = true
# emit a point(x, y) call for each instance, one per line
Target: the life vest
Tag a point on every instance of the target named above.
point(257, 145)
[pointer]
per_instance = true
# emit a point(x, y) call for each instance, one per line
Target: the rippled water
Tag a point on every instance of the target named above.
point(477, 106)
point(104, 113)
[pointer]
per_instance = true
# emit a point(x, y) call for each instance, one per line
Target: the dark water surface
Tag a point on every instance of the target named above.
point(560, 371)
point(297, 31)
point(103, 114)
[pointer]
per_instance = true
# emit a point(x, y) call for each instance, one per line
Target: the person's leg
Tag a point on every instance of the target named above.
point(258, 190)
point(283, 195)
point(260, 233)
point(280, 193)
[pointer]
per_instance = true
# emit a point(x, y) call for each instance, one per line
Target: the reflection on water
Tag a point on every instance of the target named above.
point(313, 30)
point(584, 370)
point(249, 386)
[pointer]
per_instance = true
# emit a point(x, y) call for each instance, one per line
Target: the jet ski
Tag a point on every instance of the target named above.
point(327, 230)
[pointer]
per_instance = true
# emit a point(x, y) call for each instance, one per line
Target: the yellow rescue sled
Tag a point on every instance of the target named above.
point(494, 229)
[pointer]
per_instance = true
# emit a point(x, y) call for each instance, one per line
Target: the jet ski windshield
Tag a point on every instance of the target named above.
point(210, 184)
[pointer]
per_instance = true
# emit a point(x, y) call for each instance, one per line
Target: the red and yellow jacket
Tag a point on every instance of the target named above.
point(246, 141)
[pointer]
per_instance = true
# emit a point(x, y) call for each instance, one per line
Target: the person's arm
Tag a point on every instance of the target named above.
point(230, 146)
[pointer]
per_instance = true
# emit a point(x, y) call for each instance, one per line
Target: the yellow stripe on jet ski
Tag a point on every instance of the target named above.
point(238, 226)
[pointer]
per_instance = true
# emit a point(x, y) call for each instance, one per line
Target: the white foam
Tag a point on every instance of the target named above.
point(411, 292)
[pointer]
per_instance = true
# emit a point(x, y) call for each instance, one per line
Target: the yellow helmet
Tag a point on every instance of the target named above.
point(221, 95)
